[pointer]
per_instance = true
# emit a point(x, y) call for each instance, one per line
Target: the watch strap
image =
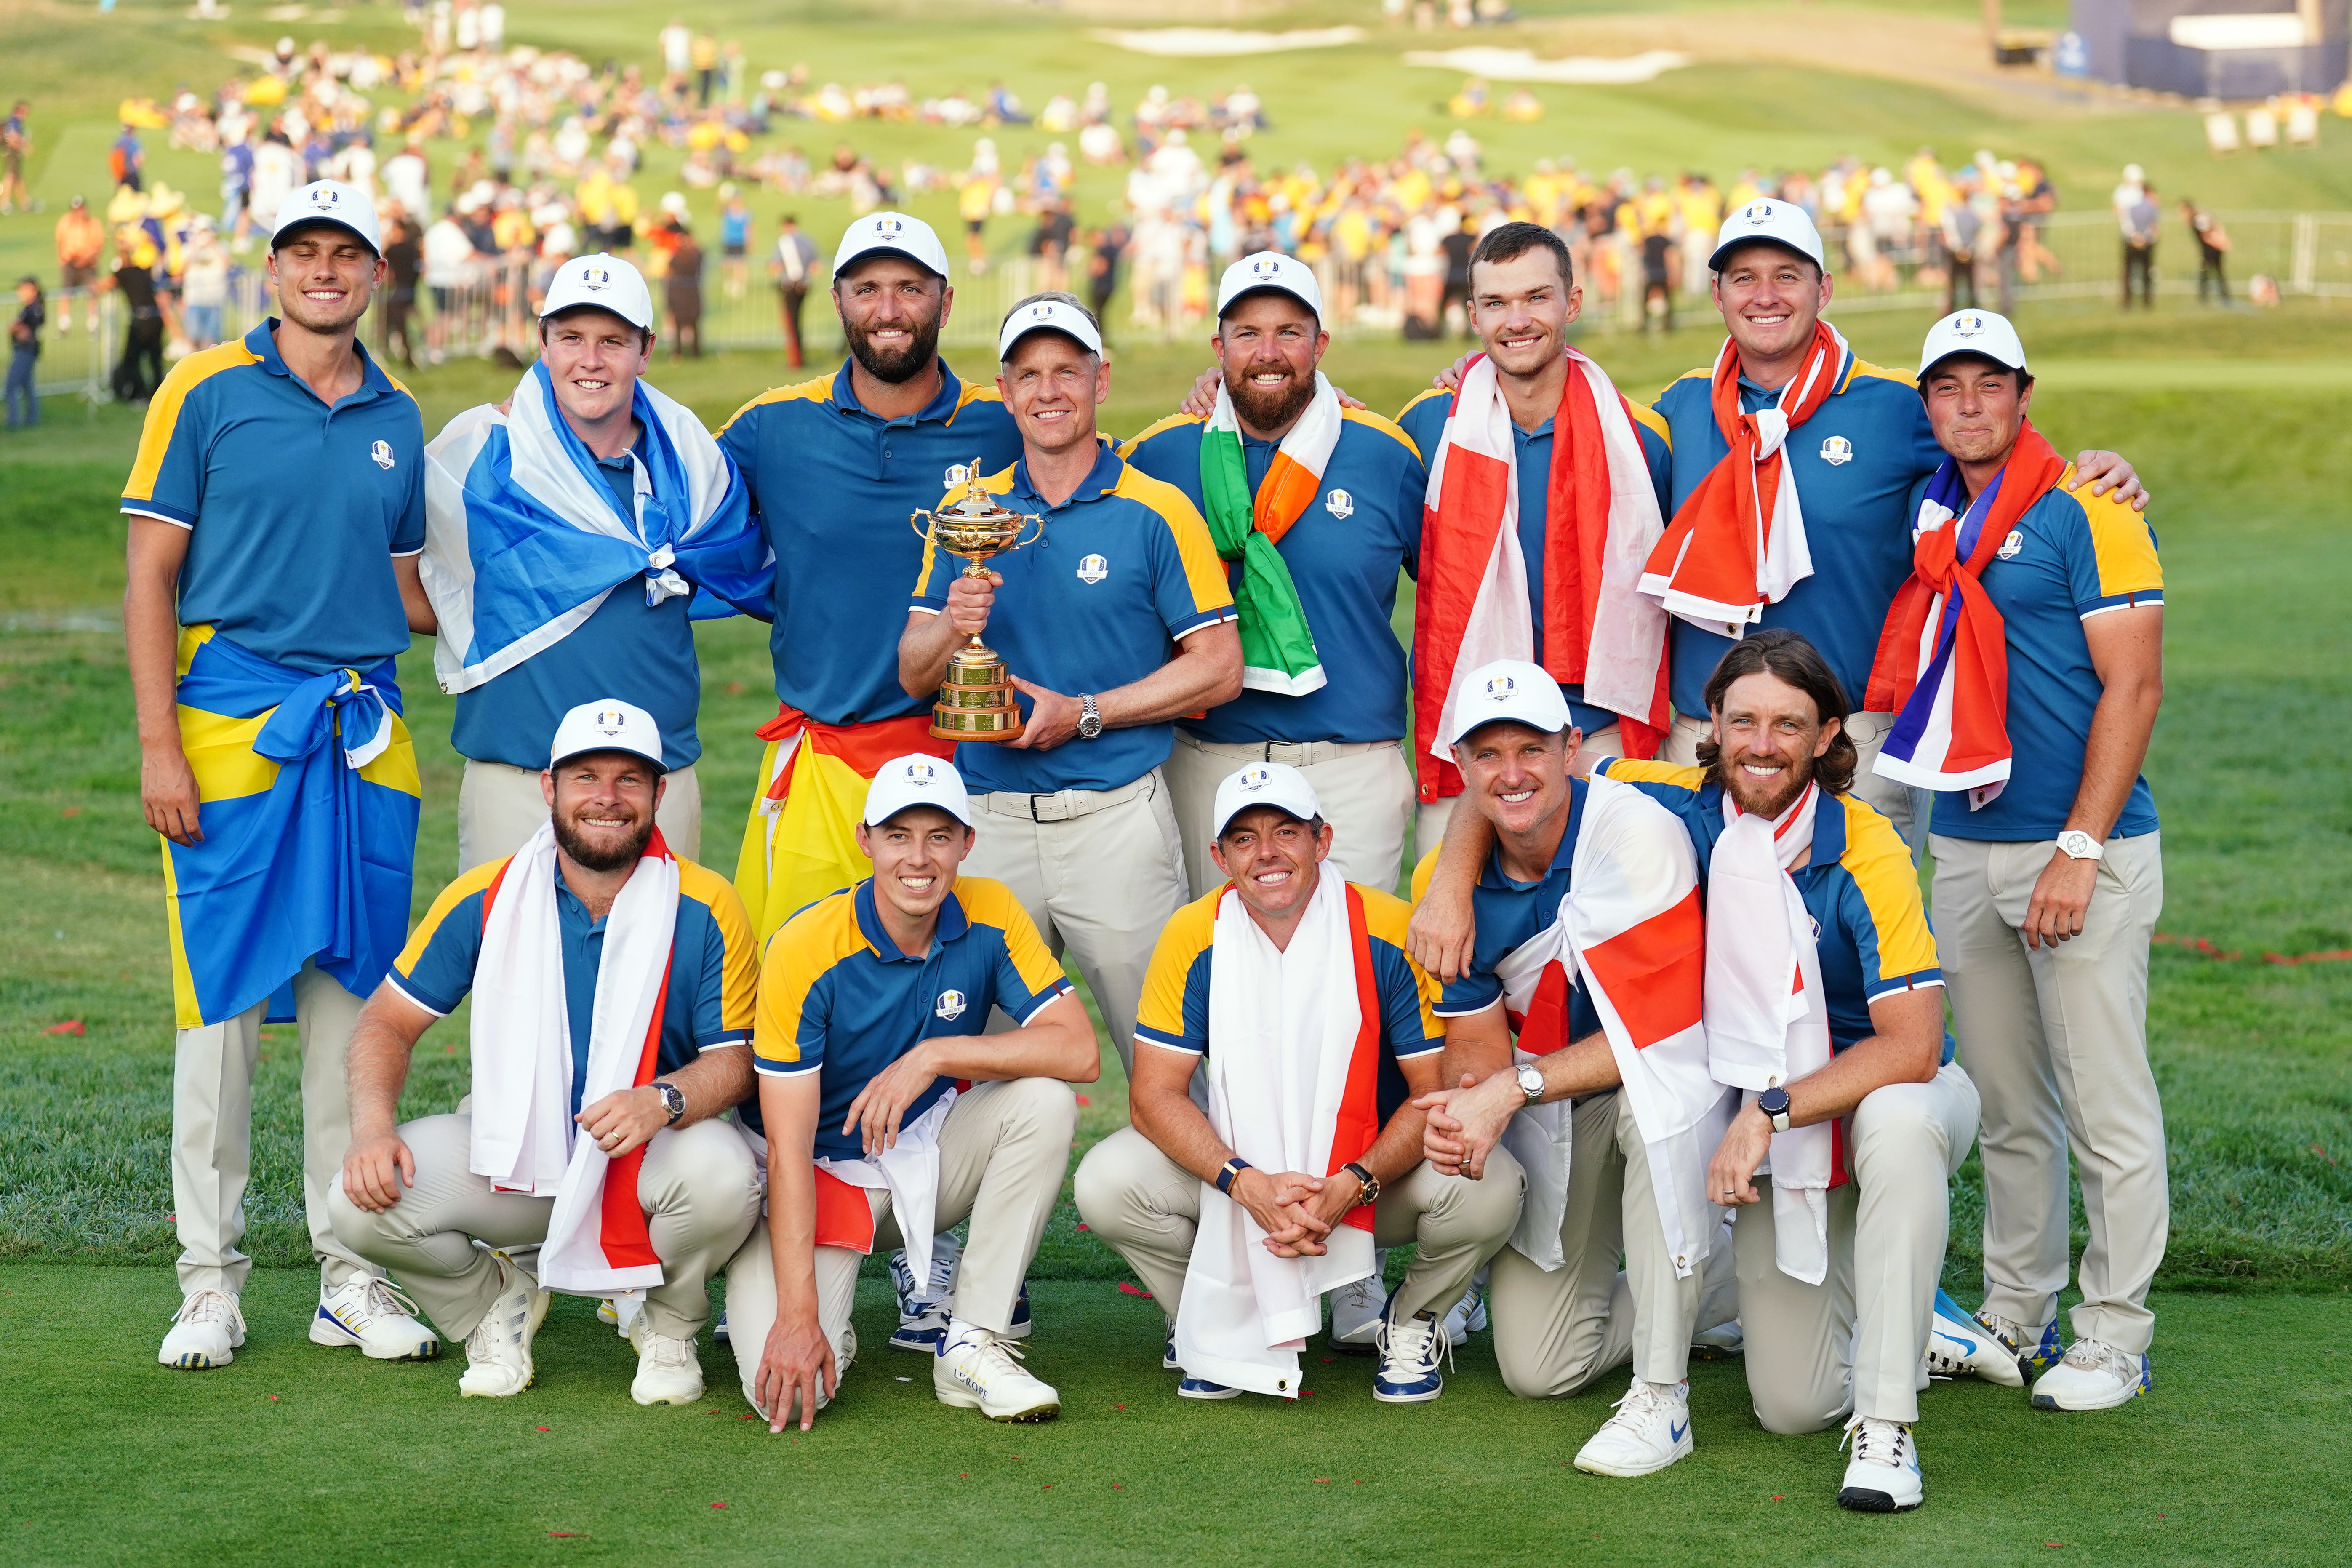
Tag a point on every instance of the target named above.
point(1366, 1180)
point(1229, 1173)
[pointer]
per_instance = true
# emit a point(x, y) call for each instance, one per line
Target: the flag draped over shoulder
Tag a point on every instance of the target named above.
point(524, 539)
point(801, 840)
point(1277, 644)
point(309, 796)
point(1942, 667)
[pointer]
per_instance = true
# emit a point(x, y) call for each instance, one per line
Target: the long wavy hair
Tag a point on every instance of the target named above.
point(1788, 656)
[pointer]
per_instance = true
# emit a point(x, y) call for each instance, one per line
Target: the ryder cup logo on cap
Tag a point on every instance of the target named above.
point(605, 282)
point(1270, 269)
point(1984, 334)
point(1278, 784)
point(1509, 690)
point(1047, 316)
point(1783, 224)
point(330, 200)
point(914, 780)
point(893, 232)
point(607, 725)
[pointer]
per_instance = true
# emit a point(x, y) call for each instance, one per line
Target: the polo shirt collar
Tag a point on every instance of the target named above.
point(953, 923)
point(262, 342)
point(1562, 858)
point(937, 411)
point(1100, 481)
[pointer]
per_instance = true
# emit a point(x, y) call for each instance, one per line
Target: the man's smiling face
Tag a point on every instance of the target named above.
point(915, 855)
point(1052, 385)
point(594, 358)
point(1268, 346)
point(1770, 298)
point(1769, 734)
point(1273, 858)
point(1522, 308)
point(602, 806)
point(1516, 774)
point(324, 276)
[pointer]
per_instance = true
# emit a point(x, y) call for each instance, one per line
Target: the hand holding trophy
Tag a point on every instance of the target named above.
point(977, 702)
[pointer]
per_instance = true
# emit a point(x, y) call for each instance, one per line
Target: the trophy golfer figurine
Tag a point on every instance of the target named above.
point(977, 702)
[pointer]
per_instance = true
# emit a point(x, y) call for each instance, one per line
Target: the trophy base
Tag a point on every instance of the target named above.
point(977, 702)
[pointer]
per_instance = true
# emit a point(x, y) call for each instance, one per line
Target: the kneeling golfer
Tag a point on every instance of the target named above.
point(1316, 1030)
point(890, 1114)
point(612, 985)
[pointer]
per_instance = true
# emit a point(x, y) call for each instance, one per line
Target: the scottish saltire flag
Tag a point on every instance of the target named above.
point(308, 804)
point(524, 539)
point(1942, 666)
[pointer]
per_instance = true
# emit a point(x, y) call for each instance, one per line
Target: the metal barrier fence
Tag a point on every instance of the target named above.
point(2078, 256)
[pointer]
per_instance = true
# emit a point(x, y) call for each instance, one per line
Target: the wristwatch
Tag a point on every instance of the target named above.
point(1774, 1104)
point(1371, 1183)
point(1089, 718)
point(1531, 1081)
point(2077, 845)
point(673, 1099)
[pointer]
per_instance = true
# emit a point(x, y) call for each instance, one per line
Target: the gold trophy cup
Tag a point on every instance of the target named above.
point(977, 703)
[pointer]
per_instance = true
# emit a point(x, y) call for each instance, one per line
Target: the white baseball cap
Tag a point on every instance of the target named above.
point(607, 725)
point(1512, 690)
point(330, 201)
point(894, 232)
point(1979, 333)
point(1276, 784)
point(1777, 223)
point(916, 779)
point(1270, 269)
point(1045, 316)
point(607, 283)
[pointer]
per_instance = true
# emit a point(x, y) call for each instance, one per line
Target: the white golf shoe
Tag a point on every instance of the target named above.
point(1960, 1345)
point(205, 1333)
point(1650, 1430)
point(1468, 1317)
point(367, 1311)
point(923, 1320)
point(497, 1352)
point(2093, 1376)
point(669, 1372)
point(1356, 1312)
point(1883, 1477)
point(975, 1370)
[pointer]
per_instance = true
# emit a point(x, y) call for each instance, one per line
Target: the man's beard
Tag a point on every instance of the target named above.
point(1784, 790)
point(588, 857)
point(902, 366)
point(1271, 408)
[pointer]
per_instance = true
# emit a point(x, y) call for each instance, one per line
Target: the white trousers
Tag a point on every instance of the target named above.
point(500, 806)
point(2056, 1040)
point(1100, 872)
point(1853, 1342)
point(1364, 787)
point(1004, 1150)
point(212, 1133)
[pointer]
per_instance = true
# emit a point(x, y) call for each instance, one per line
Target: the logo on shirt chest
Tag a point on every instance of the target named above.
point(1093, 569)
point(2011, 546)
point(951, 1005)
point(1817, 929)
point(1340, 504)
point(1837, 451)
point(382, 453)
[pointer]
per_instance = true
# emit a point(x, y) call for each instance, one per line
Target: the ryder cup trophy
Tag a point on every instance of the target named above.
point(977, 702)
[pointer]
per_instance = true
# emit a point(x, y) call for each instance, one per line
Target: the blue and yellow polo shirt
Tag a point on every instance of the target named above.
point(627, 648)
point(1343, 553)
point(1508, 913)
point(294, 509)
point(713, 966)
point(1174, 1011)
point(838, 999)
point(1424, 420)
point(1123, 569)
point(1856, 461)
point(1859, 885)
point(835, 486)
point(2072, 555)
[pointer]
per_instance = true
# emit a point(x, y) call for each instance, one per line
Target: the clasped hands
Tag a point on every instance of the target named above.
point(1295, 1210)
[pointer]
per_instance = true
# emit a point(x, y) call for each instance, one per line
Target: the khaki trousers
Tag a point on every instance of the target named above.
point(499, 807)
point(1100, 872)
point(699, 1187)
point(1146, 1206)
point(1557, 1331)
point(1003, 1150)
point(1430, 817)
point(2056, 1040)
point(1364, 787)
point(212, 1133)
point(1905, 807)
point(1853, 1343)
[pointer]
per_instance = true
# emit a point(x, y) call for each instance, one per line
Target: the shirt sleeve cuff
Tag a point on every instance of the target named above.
point(160, 512)
point(1045, 999)
point(784, 1069)
point(1147, 1035)
point(920, 609)
point(2145, 599)
point(1202, 621)
point(1917, 981)
point(1465, 1007)
point(724, 1038)
point(1405, 1052)
point(408, 988)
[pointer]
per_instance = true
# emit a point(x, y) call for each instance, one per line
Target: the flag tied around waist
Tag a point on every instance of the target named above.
point(1277, 644)
point(309, 798)
point(1942, 666)
point(1600, 523)
point(1738, 542)
point(524, 539)
point(801, 840)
